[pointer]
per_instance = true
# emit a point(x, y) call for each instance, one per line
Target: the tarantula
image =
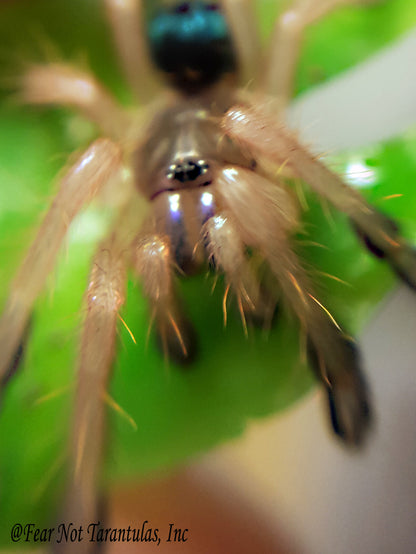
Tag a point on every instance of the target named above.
point(210, 163)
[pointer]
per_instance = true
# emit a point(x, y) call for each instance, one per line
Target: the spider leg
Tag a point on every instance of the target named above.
point(253, 129)
point(16, 360)
point(282, 58)
point(77, 187)
point(67, 86)
point(126, 18)
point(106, 294)
point(241, 16)
point(332, 353)
point(153, 263)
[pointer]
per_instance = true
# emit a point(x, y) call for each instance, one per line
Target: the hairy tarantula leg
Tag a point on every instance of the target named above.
point(126, 18)
point(106, 294)
point(78, 186)
point(251, 127)
point(153, 263)
point(265, 226)
point(227, 252)
point(16, 360)
point(241, 16)
point(281, 61)
point(64, 85)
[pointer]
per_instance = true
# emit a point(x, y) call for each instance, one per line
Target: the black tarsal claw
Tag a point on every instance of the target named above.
point(337, 365)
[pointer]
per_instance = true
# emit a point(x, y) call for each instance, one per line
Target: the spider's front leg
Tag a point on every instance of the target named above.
point(255, 129)
point(78, 186)
point(106, 293)
point(265, 215)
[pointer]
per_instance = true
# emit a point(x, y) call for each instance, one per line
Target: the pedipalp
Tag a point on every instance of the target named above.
point(154, 265)
point(332, 353)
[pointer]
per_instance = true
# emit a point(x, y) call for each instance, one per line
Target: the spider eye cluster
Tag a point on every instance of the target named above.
point(191, 42)
point(187, 171)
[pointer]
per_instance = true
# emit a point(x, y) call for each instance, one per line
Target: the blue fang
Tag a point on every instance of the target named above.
point(191, 42)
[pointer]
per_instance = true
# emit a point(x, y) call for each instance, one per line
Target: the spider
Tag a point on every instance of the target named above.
point(210, 164)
